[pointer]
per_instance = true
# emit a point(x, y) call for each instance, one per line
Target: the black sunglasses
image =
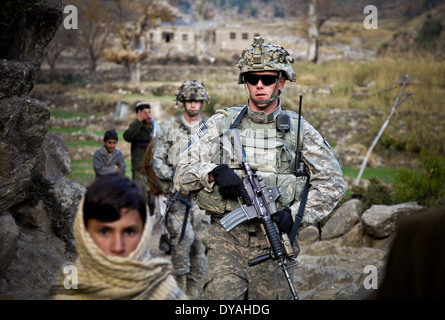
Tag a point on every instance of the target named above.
point(266, 79)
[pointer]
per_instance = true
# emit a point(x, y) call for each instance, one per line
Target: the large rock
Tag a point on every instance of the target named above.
point(69, 193)
point(29, 34)
point(357, 237)
point(22, 76)
point(381, 220)
point(9, 235)
point(23, 126)
point(23, 121)
point(40, 257)
point(34, 213)
point(343, 219)
point(328, 271)
point(53, 159)
point(309, 234)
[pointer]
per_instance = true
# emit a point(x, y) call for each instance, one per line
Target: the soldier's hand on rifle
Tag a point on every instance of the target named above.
point(230, 184)
point(284, 220)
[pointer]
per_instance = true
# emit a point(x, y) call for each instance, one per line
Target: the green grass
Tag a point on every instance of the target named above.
point(82, 171)
point(63, 114)
point(383, 174)
point(77, 144)
point(66, 130)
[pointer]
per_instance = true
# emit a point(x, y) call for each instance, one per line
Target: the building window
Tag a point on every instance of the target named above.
point(185, 37)
point(167, 36)
point(232, 35)
point(245, 36)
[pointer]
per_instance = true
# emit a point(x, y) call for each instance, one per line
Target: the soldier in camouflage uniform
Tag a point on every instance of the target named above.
point(188, 256)
point(210, 168)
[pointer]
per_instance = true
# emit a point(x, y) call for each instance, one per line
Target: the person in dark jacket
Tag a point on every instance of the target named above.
point(139, 134)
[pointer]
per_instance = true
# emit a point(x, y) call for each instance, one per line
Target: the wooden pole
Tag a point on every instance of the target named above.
point(404, 81)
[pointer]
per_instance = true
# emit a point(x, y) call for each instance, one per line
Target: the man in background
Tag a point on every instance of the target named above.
point(139, 134)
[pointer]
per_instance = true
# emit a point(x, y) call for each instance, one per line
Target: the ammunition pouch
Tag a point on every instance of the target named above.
point(213, 202)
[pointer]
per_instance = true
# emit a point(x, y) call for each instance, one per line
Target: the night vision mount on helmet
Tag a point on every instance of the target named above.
point(192, 91)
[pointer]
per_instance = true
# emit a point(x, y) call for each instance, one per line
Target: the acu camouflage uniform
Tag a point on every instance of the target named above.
point(188, 257)
point(271, 154)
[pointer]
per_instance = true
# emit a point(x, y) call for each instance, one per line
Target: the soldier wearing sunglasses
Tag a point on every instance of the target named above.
point(211, 169)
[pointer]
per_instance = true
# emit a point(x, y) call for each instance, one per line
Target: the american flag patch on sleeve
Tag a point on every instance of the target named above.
point(201, 130)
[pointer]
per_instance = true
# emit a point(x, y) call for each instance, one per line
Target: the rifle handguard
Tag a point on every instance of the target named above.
point(259, 259)
point(273, 237)
point(274, 241)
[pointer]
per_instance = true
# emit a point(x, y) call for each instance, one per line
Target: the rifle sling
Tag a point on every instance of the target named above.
point(184, 223)
point(300, 213)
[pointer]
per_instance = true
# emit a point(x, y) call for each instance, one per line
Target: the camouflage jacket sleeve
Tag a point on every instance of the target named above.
point(199, 158)
point(162, 167)
point(327, 185)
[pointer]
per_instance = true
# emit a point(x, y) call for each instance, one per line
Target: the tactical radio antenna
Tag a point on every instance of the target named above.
point(298, 168)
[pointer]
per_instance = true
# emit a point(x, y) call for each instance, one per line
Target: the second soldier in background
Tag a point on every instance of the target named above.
point(188, 256)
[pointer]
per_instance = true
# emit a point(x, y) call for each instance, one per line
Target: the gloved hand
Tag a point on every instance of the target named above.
point(284, 220)
point(229, 183)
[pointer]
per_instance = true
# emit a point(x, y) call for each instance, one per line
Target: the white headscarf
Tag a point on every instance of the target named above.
point(100, 276)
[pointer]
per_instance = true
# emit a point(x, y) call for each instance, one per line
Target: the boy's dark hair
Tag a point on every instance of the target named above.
point(110, 134)
point(142, 105)
point(108, 194)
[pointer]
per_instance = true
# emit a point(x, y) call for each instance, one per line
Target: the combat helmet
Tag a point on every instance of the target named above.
point(192, 90)
point(260, 56)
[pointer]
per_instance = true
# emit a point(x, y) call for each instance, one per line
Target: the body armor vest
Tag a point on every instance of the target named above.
point(270, 153)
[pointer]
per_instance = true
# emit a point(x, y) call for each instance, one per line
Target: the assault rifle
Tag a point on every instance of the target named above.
point(263, 207)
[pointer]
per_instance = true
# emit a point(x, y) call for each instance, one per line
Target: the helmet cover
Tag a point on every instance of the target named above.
point(192, 91)
point(260, 56)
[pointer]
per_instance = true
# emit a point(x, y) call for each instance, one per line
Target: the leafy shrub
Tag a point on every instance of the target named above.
point(430, 30)
point(376, 193)
point(427, 185)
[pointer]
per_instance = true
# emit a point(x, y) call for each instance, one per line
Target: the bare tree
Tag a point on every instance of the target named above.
point(94, 31)
point(203, 10)
point(64, 40)
point(316, 13)
point(88, 40)
point(132, 20)
point(312, 54)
